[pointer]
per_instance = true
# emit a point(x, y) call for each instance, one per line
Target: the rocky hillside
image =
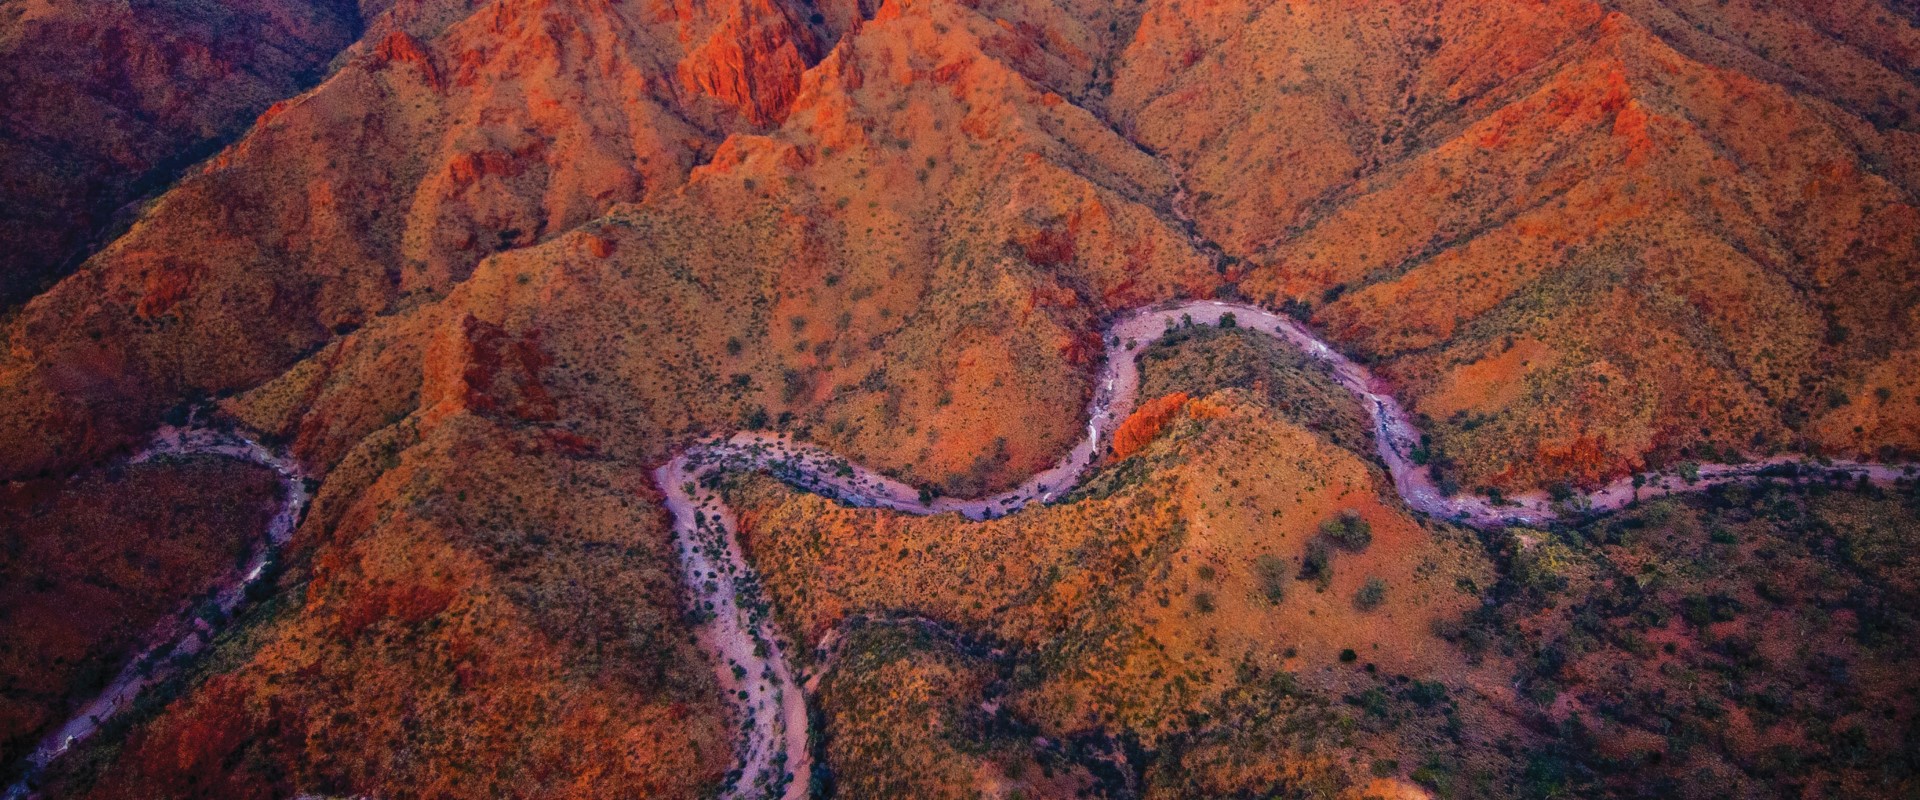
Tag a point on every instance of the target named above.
point(508, 255)
point(1578, 237)
point(92, 566)
point(108, 103)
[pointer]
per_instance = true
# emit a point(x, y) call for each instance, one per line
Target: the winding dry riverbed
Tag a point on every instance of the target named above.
point(177, 639)
point(736, 625)
point(751, 662)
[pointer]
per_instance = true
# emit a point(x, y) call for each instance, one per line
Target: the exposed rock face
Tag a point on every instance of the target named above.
point(107, 103)
point(750, 64)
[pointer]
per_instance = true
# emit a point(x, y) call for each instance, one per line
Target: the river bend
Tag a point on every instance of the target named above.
point(735, 623)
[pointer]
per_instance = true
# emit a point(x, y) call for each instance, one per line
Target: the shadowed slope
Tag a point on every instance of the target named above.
point(106, 103)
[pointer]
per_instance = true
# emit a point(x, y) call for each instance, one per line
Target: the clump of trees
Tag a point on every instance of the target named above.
point(1347, 531)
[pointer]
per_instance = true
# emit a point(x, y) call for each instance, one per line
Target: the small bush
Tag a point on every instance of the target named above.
point(1348, 530)
point(1434, 776)
point(1542, 567)
point(1427, 694)
point(1271, 573)
point(1371, 595)
point(1317, 565)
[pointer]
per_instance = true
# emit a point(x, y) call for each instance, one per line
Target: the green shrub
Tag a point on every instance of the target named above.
point(1348, 530)
point(1317, 565)
point(1371, 595)
point(1271, 573)
point(1542, 566)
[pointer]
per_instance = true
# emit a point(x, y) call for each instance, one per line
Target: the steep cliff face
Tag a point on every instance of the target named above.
point(107, 103)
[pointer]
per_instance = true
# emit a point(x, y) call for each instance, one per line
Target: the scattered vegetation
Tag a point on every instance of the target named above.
point(89, 567)
point(1699, 635)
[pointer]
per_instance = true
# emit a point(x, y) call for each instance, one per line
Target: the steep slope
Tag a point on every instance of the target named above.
point(106, 103)
point(484, 621)
point(1188, 608)
point(1425, 202)
point(512, 255)
point(1696, 260)
point(90, 566)
point(843, 276)
point(1173, 625)
point(485, 527)
point(432, 146)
